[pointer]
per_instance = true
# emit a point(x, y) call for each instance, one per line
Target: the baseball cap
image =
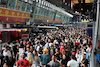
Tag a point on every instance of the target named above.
point(46, 50)
point(73, 53)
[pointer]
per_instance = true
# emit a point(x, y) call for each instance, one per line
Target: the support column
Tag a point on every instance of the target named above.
point(30, 7)
point(21, 6)
point(54, 17)
point(26, 7)
point(43, 14)
point(8, 3)
point(15, 4)
point(34, 12)
point(40, 13)
point(37, 12)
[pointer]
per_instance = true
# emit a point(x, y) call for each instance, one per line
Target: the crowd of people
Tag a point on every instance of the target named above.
point(70, 47)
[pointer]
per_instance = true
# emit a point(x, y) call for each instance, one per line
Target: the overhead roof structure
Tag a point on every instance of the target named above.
point(53, 7)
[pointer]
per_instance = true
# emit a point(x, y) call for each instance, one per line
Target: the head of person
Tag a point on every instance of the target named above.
point(35, 52)
point(14, 42)
point(64, 56)
point(6, 48)
point(54, 58)
point(31, 48)
point(72, 57)
point(56, 50)
point(28, 49)
point(8, 42)
point(46, 51)
point(87, 46)
point(5, 65)
point(23, 55)
point(62, 44)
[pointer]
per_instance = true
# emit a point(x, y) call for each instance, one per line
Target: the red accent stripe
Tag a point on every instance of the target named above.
point(25, 36)
point(11, 19)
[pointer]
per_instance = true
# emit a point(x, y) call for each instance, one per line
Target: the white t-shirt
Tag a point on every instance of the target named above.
point(72, 63)
point(8, 53)
point(50, 44)
point(46, 45)
point(38, 47)
point(78, 57)
point(88, 50)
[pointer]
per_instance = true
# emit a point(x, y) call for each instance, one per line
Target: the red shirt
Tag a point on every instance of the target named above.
point(62, 49)
point(23, 63)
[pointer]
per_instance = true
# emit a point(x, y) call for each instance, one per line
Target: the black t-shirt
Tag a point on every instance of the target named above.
point(15, 49)
point(86, 63)
point(1, 58)
point(64, 62)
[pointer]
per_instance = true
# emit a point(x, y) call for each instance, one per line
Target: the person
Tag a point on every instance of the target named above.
point(64, 61)
point(14, 49)
point(39, 49)
point(36, 59)
point(5, 65)
point(88, 50)
point(62, 48)
point(6, 52)
point(78, 56)
point(23, 62)
point(51, 50)
point(72, 62)
point(1, 59)
point(54, 62)
point(28, 51)
point(45, 58)
point(30, 58)
point(46, 44)
point(84, 62)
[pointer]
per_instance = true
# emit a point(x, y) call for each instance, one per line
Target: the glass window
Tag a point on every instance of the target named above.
point(36, 11)
point(18, 5)
point(39, 10)
point(42, 11)
point(3, 3)
point(28, 8)
point(23, 6)
point(11, 4)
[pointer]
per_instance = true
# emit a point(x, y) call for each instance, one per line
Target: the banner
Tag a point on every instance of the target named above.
point(13, 13)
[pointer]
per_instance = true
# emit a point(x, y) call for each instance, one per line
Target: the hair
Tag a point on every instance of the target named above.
point(73, 57)
point(6, 46)
point(8, 42)
point(14, 42)
point(30, 58)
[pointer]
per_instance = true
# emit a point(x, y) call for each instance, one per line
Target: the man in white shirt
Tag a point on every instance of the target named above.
point(46, 45)
point(88, 50)
point(72, 62)
point(6, 52)
point(78, 56)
